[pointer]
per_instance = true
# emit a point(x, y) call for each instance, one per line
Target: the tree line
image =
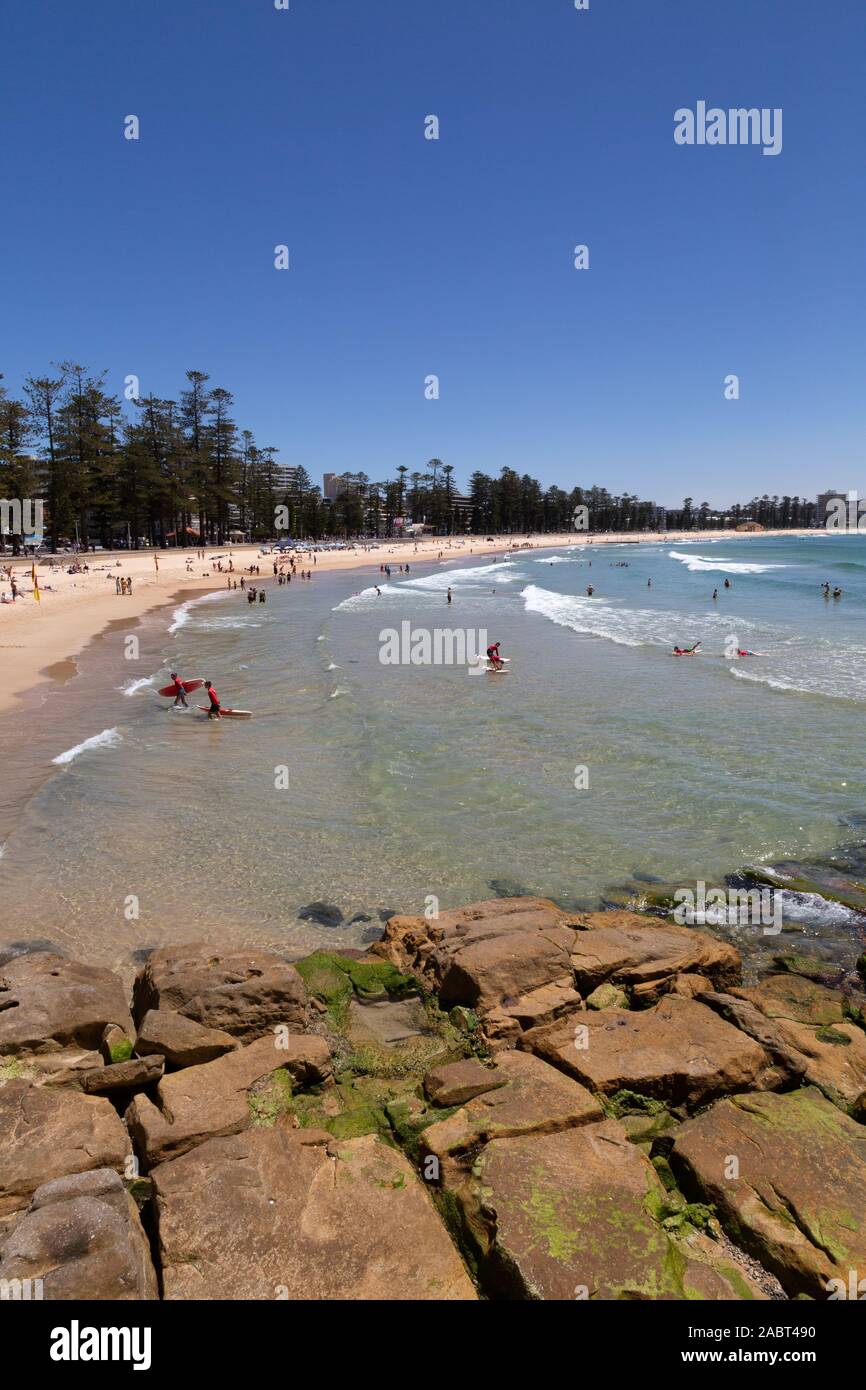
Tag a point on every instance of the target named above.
point(180, 472)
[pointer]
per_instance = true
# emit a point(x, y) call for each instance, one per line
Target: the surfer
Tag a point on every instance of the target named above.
point(179, 692)
point(493, 658)
point(449, 598)
point(215, 707)
point(686, 651)
point(727, 583)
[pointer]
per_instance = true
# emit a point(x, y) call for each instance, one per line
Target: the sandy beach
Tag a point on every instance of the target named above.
point(40, 641)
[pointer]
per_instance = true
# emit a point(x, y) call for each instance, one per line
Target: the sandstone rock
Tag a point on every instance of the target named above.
point(578, 1214)
point(629, 950)
point(808, 1023)
point(133, 1075)
point(797, 1201)
point(180, 1040)
point(244, 993)
point(47, 1134)
point(690, 986)
point(607, 997)
point(679, 1052)
point(83, 1238)
point(67, 1067)
point(793, 997)
point(387, 1024)
point(535, 1098)
point(213, 1100)
point(48, 1002)
point(459, 1082)
point(114, 1045)
point(744, 1015)
point(834, 1057)
point(486, 953)
point(258, 1216)
point(826, 972)
point(505, 1023)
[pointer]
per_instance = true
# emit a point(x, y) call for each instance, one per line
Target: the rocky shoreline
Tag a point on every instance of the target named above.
point(510, 1101)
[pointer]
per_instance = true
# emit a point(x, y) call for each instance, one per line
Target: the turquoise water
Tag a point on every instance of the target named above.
point(407, 782)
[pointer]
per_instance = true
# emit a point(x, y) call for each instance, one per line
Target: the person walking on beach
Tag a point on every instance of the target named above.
point(215, 708)
point(179, 692)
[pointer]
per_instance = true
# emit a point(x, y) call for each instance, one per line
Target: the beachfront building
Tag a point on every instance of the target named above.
point(337, 484)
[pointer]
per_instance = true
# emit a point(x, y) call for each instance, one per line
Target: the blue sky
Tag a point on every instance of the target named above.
point(411, 257)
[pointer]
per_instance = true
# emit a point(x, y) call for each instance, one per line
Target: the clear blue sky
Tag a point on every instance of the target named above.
point(411, 257)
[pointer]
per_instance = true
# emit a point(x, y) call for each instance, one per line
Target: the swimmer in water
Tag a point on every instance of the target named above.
point(686, 651)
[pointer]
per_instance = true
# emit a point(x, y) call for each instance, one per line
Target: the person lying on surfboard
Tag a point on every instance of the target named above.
point(215, 707)
point(180, 693)
point(686, 651)
point(493, 657)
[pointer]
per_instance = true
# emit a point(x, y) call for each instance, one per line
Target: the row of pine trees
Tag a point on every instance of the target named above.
point(168, 472)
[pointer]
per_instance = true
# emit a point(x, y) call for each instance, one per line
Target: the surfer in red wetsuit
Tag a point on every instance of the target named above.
point(179, 692)
point(493, 656)
point(215, 707)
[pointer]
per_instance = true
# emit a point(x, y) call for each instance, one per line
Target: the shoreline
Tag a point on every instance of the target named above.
point(48, 637)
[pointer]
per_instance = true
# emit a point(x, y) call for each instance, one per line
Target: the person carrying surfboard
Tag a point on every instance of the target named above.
point(179, 691)
point(215, 708)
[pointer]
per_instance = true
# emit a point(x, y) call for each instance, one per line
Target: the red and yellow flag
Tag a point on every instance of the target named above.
point(36, 593)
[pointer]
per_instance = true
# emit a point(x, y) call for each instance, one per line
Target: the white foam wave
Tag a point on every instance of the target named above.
point(471, 575)
point(181, 615)
point(132, 687)
point(226, 624)
point(628, 627)
point(697, 563)
point(107, 739)
point(357, 601)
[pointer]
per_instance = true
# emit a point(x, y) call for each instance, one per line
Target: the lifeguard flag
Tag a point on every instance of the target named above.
point(36, 593)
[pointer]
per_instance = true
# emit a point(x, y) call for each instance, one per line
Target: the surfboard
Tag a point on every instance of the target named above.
point(495, 671)
point(230, 713)
point(188, 686)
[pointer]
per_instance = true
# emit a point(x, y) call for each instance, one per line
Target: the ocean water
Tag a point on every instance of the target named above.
point(597, 764)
